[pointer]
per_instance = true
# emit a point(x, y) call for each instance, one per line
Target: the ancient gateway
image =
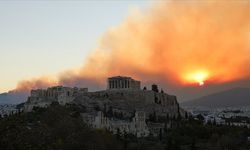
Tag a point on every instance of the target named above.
point(119, 82)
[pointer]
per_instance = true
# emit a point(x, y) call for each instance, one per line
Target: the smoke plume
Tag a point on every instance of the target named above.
point(178, 43)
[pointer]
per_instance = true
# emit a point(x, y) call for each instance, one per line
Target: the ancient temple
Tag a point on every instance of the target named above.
point(121, 82)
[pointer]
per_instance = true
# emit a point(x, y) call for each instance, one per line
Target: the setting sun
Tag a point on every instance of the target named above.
point(201, 83)
point(197, 77)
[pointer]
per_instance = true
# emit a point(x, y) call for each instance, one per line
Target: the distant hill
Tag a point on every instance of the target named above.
point(13, 97)
point(230, 98)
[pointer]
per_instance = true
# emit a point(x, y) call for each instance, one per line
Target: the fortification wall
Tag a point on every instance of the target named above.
point(125, 101)
point(129, 100)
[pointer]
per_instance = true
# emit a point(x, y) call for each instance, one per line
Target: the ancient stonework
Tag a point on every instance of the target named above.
point(44, 97)
point(119, 82)
point(117, 108)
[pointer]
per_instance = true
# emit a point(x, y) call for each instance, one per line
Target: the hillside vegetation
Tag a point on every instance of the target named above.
point(61, 127)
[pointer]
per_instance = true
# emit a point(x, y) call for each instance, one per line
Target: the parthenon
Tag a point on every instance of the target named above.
point(120, 82)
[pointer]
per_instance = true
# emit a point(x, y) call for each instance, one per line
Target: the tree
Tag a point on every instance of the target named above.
point(186, 115)
point(125, 140)
point(97, 108)
point(167, 118)
point(155, 88)
point(152, 117)
point(118, 133)
point(214, 122)
point(200, 117)
point(121, 115)
point(192, 146)
point(110, 112)
point(156, 100)
point(145, 88)
point(105, 110)
point(160, 135)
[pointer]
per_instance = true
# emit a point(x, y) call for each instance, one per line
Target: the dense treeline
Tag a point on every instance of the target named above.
point(56, 127)
point(61, 127)
point(193, 135)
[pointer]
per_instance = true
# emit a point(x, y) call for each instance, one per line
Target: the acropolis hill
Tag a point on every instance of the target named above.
point(122, 105)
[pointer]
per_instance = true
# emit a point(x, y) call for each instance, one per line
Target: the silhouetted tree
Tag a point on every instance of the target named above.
point(121, 115)
point(118, 133)
point(105, 110)
point(193, 145)
point(160, 135)
point(214, 122)
point(145, 88)
point(155, 88)
point(156, 100)
point(110, 112)
point(169, 145)
point(186, 115)
point(152, 117)
point(97, 108)
point(125, 139)
point(200, 117)
point(209, 122)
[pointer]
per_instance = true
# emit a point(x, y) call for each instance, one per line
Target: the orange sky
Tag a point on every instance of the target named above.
point(178, 43)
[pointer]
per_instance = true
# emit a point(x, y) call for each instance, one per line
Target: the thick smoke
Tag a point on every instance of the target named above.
point(175, 39)
point(41, 82)
point(169, 42)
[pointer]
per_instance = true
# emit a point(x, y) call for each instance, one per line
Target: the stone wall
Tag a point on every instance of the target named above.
point(130, 100)
point(44, 97)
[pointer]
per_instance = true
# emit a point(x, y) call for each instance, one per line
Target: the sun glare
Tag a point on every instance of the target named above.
point(201, 83)
point(198, 77)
